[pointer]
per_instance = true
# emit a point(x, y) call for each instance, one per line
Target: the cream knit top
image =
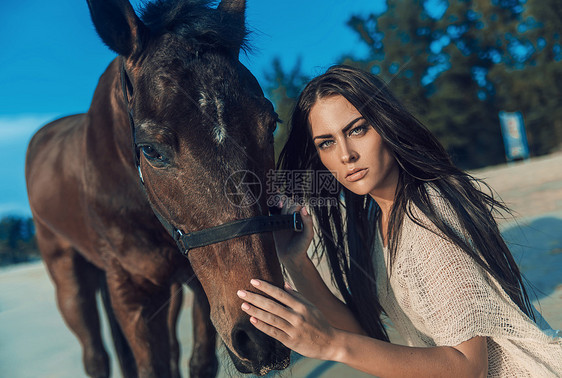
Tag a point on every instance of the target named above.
point(437, 295)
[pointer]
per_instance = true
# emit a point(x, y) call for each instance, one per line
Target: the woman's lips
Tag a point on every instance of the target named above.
point(357, 175)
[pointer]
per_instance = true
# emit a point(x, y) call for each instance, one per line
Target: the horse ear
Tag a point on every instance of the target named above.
point(118, 25)
point(235, 13)
point(233, 6)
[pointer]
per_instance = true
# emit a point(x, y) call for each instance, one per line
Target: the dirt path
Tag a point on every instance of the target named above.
point(529, 188)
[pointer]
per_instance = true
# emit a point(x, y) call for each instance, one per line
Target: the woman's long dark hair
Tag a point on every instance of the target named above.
point(347, 231)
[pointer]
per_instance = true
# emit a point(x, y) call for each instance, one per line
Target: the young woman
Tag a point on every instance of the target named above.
point(413, 237)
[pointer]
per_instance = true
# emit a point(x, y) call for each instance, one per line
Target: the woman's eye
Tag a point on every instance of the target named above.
point(359, 130)
point(325, 144)
point(151, 154)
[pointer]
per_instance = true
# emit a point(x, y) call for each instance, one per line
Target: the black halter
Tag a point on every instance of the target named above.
point(241, 227)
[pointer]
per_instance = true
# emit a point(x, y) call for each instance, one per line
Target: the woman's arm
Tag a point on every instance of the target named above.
point(302, 327)
point(310, 284)
point(383, 359)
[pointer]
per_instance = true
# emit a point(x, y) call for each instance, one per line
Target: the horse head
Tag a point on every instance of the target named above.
point(202, 128)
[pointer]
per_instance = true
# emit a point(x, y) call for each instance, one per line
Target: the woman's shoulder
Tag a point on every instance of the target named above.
point(422, 237)
point(438, 201)
point(437, 209)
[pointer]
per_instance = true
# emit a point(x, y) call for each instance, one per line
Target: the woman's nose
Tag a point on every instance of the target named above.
point(348, 154)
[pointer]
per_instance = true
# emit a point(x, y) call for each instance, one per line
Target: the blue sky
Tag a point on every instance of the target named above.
point(52, 58)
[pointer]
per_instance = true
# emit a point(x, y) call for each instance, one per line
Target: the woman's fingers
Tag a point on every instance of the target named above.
point(288, 205)
point(267, 317)
point(276, 333)
point(300, 327)
point(277, 293)
point(290, 209)
point(307, 221)
point(267, 304)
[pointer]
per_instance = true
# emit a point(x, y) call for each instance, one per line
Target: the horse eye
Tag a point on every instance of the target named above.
point(272, 129)
point(151, 154)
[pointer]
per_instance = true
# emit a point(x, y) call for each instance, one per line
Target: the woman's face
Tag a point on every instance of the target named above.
point(351, 149)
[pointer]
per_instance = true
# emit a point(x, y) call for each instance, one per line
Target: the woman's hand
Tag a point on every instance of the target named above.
point(295, 322)
point(291, 245)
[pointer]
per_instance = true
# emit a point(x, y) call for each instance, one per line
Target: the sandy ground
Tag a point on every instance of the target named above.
point(34, 342)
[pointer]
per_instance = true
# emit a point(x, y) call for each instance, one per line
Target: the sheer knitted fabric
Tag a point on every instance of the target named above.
point(438, 296)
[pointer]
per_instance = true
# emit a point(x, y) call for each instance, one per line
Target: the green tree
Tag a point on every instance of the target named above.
point(17, 240)
point(463, 113)
point(398, 42)
point(529, 78)
point(430, 61)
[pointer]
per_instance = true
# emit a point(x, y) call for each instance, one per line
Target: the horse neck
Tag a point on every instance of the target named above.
point(109, 130)
point(109, 162)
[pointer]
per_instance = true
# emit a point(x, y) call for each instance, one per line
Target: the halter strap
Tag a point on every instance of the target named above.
point(241, 227)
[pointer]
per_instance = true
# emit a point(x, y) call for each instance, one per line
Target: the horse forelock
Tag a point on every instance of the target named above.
point(194, 20)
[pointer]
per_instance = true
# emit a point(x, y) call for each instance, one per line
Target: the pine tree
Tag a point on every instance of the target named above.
point(17, 241)
point(529, 77)
point(398, 42)
point(431, 63)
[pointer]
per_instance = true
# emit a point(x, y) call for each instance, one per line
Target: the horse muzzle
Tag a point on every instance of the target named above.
point(255, 352)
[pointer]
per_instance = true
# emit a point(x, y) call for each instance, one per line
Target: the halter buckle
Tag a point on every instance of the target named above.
point(298, 225)
point(178, 237)
point(140, 174)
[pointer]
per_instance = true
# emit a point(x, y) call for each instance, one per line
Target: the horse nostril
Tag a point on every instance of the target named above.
point(243, 343)
point(261, 352)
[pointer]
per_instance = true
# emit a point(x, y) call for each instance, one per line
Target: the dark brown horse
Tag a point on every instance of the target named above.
point(197, 116)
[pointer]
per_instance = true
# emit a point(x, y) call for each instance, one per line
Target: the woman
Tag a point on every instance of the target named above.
point(414, 238)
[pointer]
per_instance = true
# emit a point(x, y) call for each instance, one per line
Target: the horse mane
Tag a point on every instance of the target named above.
point(195, 21)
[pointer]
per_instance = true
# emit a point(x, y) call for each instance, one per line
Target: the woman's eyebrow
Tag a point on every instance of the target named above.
point(344, 130)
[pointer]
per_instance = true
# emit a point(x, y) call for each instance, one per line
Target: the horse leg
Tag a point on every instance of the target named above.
point(141, 309)
point(176, 300)
point(203, 361)
point(122, 348)
point(76, 281)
